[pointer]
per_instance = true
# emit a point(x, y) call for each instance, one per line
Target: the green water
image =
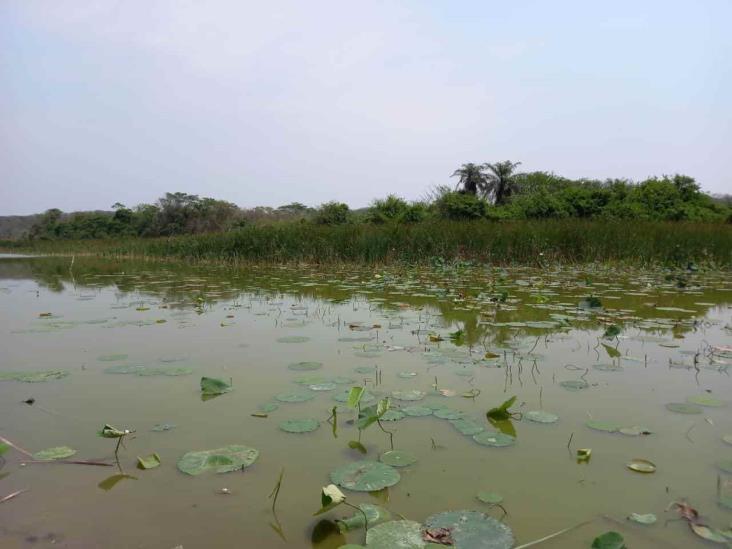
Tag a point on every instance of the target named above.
point(230, 324)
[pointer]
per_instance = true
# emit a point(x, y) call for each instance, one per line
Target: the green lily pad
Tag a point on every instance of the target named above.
point(398, 458)
point(448, 413)
point(473, 530)
point(366, 397)
point(305, 366)
point(705, 400)
point(683, 408)
point(294, 397)
point(213, 386)
point(364, 369)
point(59, 452)
point(540, 416)
point(33, 377)
point(322, 386)
point(299, 425)
point(649, 518)
point(467, 426)
point(574, 384)
point(607, 426)
point(124, 369)
point(419, 411)
point(408, 395)
point(725, 465)
point(148, 462)
point(170, 371)
point(365, 476)
point(268, 407)
point(293, 339)
point(392, 415)
point(374, 514)
point(496, 440)
point(609, 540)
point(160, 427)
point(221, 460)
point(406, 375)
point(608, 367)
point(396, 534)
point(111, 357)
point(492, 498)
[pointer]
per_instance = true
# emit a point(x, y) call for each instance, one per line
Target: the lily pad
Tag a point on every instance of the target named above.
point(683, 408)
point(170, 371)
point(300, 425)
point(408, 395)
point(294, 397)
point(492, 498)
point(305, 366)
point(148, 462)
point(496, 440)
point(396, 534)
point(406, 375)
point(33, 377)
point(293, 339)
point(649, 518)
point(540, 416)
point(392, 415)
point(609, 540)
point(473, 530)
point(419, 411)
point(213, 386)
point(641, 466)
point(448, 413)
point(706, 400)
point(365, 476)
point(59, 452)
point(467, 426)
point(160, 427)
point(607, 426)
point(574, 384)
point(124, 369)
point(111, 357)
point(268, 407)
point(221, 460)
point(322, 386)
point(374, 514)
point(364, 369)
point(398, 458)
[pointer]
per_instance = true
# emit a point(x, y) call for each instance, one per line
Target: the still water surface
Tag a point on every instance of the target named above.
point(448, 330)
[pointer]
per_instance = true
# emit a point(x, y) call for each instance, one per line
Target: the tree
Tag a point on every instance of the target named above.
point(472, 178)
point(501, 181)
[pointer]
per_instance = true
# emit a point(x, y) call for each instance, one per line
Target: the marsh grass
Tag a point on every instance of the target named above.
point(537, 243)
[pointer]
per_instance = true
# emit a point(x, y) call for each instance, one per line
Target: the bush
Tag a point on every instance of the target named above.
point(332, 213)
point(456, 206)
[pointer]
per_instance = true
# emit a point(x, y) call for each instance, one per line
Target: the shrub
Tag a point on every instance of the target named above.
point(332, 213)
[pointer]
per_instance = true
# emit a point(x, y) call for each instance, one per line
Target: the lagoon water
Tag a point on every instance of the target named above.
point(126, 343)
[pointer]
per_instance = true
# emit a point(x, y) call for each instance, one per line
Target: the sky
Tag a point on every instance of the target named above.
point(267, 103)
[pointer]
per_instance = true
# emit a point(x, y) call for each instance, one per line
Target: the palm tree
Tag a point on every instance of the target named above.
point(501, 181)
point(472, 178)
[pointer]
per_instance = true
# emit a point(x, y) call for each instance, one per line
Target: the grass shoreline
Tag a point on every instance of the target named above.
point(513, 242)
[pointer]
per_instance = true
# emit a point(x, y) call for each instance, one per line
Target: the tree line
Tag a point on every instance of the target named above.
point(491, 191)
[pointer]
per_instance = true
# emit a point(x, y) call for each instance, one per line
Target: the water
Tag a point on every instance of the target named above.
point(226, 323)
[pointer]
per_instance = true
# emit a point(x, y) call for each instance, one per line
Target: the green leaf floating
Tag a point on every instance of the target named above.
point(416, 411)
point(33, 377)
point(221, 460)
point(683, 408)
point(294, 397)
point(398, 458)
point(609, 540)
point(473, 530)
point(299, 425)
point(540, 416)
point(374, 513)
point(705, 400)
point(365, 476)
point(496, 440)
point(305, 366)
point(111, 432)
point(467, 426)
point(59, 452)
point(502, 412)
point(213, 386)
point(607, 426)
point(148, 462)
point(396, 534)
point(491, 498)
point(408, 395)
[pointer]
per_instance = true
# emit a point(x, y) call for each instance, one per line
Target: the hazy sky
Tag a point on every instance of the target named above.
point(265, 103)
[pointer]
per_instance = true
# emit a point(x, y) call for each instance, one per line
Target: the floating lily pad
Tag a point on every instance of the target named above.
point(641, 466)
point(608, 367)
point(374, 514)
point(212, 386)
point(574, 384)
point(491, 498)
point(59, 452)
point(448, 413)
point(124, 369)
point(322, 386)
point(365, 476)
point(268, 407)
point(33, 377)
point(473, 530)
point(419, 411)
point(170, 371)
point(607, 426)
point(706, 400)
point(392, 415)
point(406, 375)
point(608, 540)
point(293, 339)
point(540, 416)
point(396, 534)
point(163, 427)
point(148, 462)
point(408, 395)
point(397, 458)
point(294, 397)
point(299, 425)
point(221, 460)
point(683, 408)
point(366, 397)
point(111, 357)
point(496, 440)
point(305, 366)
point(364, 370)
point(649, 518)
point(467, 426)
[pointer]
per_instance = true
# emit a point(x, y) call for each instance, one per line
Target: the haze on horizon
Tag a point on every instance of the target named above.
point(121, 101)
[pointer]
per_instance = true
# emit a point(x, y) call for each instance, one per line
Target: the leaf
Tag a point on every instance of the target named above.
point(491, 498)
point(502, 411)
point(496, 440)
point(707, 533)
point(612, 351)
point(420, 411)
point(294, 397)
point(606, 426)
point(3, 448)
point(473, 529)
point(590, 302)
point(398, 458)
point(111, 432)
point(354, 396)
point(110, 482)
point(641, 466)
point(33, 377)
point(540, 416)
point(683, 408)
point(59, 452)
point(609, 540)
point(706, 400)
point(374, 514)
point(330, 497)
point(305, 366)
point(408, 395)
point(649, 518)
point(304, 425)
point(382, 407)
point(365, 476)
point(148, 462)
point(396, 534)
point(356, 445)
point(574, 384)
point(222, 460)
point(213, 386)
point(612, 331)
